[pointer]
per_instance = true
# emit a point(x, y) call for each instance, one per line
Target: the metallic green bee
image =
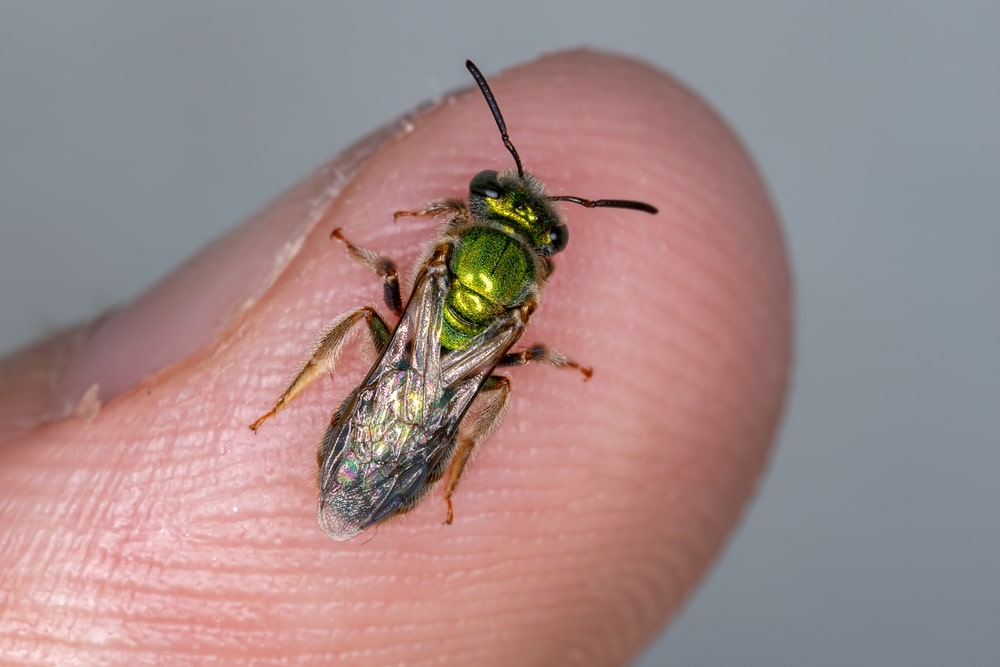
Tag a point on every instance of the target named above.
point(432, 396)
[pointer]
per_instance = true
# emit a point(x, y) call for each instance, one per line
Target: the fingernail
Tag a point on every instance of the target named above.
point(190, 307)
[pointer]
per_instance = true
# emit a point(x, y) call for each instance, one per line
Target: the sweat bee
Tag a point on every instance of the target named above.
point(432, 395)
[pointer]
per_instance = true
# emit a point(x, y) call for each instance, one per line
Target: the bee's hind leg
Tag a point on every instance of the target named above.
point(484, 416)
point(324, 357)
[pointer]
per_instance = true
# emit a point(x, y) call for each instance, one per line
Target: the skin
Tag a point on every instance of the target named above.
point(160, 530)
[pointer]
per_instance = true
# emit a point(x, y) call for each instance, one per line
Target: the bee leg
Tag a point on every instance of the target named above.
point(483, 418)
point(544, 354)
point(380, 266)
point(453, 206)
point(324, 357)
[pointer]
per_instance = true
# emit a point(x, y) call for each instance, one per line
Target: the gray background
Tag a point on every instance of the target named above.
point(131, 134)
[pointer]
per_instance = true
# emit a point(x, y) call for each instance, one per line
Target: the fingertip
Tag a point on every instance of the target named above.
point(590, 514)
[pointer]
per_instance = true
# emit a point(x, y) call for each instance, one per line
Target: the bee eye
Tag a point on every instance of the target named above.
point(485, 184)
point(559, 236)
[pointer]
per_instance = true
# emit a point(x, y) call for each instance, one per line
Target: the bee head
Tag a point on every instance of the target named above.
point(518, 202)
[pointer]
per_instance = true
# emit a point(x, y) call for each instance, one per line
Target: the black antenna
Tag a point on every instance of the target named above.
point(607, 203)
point(497, 116)
point(502, 126)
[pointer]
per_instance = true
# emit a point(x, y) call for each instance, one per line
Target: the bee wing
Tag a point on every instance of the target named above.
point(395, 433)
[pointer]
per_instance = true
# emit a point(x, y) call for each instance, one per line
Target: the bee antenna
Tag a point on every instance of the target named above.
point(497, 116)
point(608, 203)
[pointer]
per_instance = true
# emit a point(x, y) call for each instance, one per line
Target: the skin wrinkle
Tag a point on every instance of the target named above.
point(583, 522)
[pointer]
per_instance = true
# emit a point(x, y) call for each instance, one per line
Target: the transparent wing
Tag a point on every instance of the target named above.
point(394, 435)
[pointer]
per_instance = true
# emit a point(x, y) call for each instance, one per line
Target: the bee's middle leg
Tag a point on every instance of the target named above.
point(539, 352)
point(380, 266)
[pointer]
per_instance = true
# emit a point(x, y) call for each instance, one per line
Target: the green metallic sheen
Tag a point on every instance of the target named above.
point(518, 209)
point(492, 271)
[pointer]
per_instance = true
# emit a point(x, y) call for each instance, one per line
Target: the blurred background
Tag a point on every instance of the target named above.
point(133, 133)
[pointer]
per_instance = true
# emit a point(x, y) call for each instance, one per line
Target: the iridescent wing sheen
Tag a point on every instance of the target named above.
point(394, 435)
